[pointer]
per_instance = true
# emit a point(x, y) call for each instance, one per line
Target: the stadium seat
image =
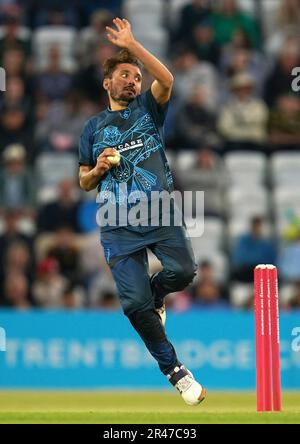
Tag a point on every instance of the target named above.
point(239, 226)
point(185, 160)
point(136, 10)
point(211, 239)
point(47, 36)
point(218, 260)
point(246, 167)
point(286, 207)
point(241, 294)
point(247, 202)
point(23, 33)
point(285, 169)
point(154, 39)
point(247, 6)
point(52, 168)
point(174, 9)
point(43, 242)
point(286, 293)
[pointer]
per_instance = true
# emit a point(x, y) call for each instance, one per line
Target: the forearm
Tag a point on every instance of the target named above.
point(122, 36)
point(89, 181)
point(157, 69)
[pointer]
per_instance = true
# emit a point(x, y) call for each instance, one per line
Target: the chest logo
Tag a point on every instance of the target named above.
point(125, 114)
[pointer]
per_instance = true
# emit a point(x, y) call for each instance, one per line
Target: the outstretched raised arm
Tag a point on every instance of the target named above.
point(123, 37)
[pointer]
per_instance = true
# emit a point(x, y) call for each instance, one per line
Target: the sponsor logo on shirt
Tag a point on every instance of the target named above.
point(133, 144)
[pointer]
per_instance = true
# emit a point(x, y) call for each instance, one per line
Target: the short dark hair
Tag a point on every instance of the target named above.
point(123, 56)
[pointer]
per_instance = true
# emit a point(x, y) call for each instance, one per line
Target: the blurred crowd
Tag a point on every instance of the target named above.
point(232, 131)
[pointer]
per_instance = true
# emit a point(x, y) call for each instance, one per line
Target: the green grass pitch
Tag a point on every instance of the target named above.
point(101, 407)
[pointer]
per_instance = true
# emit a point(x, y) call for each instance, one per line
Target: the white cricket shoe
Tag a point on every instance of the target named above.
point(191, 391)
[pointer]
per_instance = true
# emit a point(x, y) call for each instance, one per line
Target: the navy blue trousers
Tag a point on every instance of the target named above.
point(126, 253)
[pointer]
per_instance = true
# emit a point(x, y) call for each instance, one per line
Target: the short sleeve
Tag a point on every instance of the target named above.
point(85, 145)
point(157, 111)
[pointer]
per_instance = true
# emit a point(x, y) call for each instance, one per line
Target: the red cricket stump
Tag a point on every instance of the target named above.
point(267, 339)
point(275, 339)
point(259, 335)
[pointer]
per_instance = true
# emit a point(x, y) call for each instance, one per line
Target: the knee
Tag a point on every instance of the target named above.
point(132, 306)
point(184, 274)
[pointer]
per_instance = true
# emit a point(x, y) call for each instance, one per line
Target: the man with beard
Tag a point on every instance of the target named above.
point(122, 151)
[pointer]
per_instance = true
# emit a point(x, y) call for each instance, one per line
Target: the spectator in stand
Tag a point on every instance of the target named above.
point(243, 120)
point(54, 83)
point(189, 72)
point(66, 252)
point(89, 80)
point(93, 36)
point(15, 95)
point(50, 285)
point(280, 79)
point(289, 14)
point(228, 18)
point(194, 122)
point(236, 59)
point(284, 124)
point(61, 212)
point(109, 301)
point(92, 258)
point(203, 43)
point(14, 63)
point(294, 302)
point(16, 292)
point(13, 8)
point(92, 6)
point(72, 298)
point(17, 184)
point(191, 16)
point(11, 38)
point(207, 292)
point(207, 174)
point(239, 41)
point(14, 126)
point(11, 236)
point(101, 283)
point(251, 249)
point(60, 123)
point(18, 259)
point(52, 12)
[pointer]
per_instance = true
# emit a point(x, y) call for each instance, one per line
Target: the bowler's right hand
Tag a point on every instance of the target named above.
point(103, 164)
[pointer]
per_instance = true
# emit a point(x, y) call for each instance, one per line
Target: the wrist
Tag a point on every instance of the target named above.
point(97, 173)
point(133, 45)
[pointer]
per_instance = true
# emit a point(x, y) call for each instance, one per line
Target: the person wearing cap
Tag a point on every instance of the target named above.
point(16, 180)
point(243, 120)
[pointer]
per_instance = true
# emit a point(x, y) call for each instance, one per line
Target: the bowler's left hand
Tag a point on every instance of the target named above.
point(123, 36)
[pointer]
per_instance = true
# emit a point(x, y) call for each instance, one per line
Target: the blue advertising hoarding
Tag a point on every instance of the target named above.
point(86, 349)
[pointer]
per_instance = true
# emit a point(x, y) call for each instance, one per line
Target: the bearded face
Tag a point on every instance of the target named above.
point(125, 83)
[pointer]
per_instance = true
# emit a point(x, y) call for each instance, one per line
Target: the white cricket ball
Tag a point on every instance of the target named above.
point(114, 160)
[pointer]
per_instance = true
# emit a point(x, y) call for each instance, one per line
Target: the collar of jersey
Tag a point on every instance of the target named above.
point(118, 111)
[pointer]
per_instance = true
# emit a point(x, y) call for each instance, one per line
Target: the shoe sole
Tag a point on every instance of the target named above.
point(202, 396)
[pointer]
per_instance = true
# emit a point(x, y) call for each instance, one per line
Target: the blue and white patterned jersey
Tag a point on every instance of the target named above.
point(137, 133)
